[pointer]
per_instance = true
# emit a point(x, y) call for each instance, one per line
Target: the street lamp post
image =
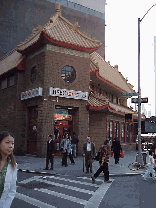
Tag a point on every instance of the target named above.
point(139, 157)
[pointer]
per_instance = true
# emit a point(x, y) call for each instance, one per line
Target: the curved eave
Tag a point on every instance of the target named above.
point(96, 72)
point(20, 65)
point(105, 108)
point(98, 108)
point(80, 48)
point(32, 46)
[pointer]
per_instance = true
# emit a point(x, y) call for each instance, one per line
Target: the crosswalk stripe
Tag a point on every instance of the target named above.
point(30, 179)
point(64, 196)
point(72, 181)
point(90, 179)
point(66, 186)
point(96, 199)
point(33, 201)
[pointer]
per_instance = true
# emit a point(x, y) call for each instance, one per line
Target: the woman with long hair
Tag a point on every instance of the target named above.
point(8, 170)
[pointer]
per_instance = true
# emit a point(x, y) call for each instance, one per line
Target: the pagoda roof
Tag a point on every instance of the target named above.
point(101, 103)
point(108, 73)
point(60, 31)
point(11, 60)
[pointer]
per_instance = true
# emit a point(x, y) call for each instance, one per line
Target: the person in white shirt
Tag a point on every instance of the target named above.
point(151, 166)
point(88, 153)
point(8, 170)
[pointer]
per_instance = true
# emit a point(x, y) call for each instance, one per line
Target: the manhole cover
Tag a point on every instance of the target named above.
point(35, 184)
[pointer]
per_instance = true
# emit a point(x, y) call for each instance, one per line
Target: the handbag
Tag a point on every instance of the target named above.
point(122, 155)
point(111, 153)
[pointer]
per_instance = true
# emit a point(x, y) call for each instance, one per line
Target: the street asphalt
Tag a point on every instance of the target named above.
point(36, 165)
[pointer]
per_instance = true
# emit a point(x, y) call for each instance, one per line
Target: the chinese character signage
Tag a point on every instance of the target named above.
point(68, 93)
point(31, 93)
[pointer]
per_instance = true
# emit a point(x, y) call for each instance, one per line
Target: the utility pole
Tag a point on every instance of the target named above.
point(139, 157)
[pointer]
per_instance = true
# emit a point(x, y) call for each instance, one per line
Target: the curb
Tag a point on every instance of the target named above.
point(36, 172)
point(55, 173)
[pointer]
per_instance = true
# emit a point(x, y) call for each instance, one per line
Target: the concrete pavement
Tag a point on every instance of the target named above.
point(36, 165)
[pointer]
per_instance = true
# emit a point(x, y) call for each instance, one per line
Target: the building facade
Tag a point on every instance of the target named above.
point(55, 82)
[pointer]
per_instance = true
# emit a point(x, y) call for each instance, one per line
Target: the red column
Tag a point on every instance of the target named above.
point(106, 126)
point(119, 131)
point(125, 133)
point(113, 129)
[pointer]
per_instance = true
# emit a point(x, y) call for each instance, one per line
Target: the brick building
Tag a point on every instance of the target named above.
point(55, 82)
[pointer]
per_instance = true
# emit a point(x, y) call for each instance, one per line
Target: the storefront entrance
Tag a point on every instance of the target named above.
point(32, 130)
point(63, 124)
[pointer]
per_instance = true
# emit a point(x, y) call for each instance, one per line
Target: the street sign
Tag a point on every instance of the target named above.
point(129, 94)
point(143, 100)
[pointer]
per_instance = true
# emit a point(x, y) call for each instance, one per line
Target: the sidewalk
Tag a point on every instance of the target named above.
point(36, 165)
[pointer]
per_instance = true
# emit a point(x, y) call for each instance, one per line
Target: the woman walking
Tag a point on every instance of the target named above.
point(8, 170)
point(151, 166)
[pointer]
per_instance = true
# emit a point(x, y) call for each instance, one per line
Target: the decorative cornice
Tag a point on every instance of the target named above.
point(72, 52)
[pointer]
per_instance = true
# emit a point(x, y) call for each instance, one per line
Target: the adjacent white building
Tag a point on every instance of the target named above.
point(155, 69)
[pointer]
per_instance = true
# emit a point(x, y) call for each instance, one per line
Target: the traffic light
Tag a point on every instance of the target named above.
point(128, 117)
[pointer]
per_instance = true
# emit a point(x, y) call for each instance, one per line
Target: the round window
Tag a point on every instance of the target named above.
point(68, 74)
point(33, 74)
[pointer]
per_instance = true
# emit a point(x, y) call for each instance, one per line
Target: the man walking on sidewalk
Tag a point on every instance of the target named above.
point(50, 152)
point(116, 148)
point(103, 160)
point(88, 153)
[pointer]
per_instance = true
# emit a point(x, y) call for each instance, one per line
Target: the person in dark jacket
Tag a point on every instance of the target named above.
point(74, 143)
point(88, 153)
point(103, 161)
point(50, 152)
point(116, 148)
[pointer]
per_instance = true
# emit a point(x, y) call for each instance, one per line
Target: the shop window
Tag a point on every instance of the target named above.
point(11, 81)
point(68, 74)
point(115, 99)
point(110, 130)
point(33, 74)
point(127, 133)
point(116, 129)
point(131, 133)
point(62, 115)
point(4, 84)
point(122, 132)
point(110, 97)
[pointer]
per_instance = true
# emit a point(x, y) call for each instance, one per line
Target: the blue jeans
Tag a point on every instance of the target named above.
point(149, 170)
point(74, 149)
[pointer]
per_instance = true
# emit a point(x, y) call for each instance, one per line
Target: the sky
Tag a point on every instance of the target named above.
point(122, 43)
point(121, 39)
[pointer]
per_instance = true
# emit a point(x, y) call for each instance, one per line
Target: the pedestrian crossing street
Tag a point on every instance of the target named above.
point(60, 191)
